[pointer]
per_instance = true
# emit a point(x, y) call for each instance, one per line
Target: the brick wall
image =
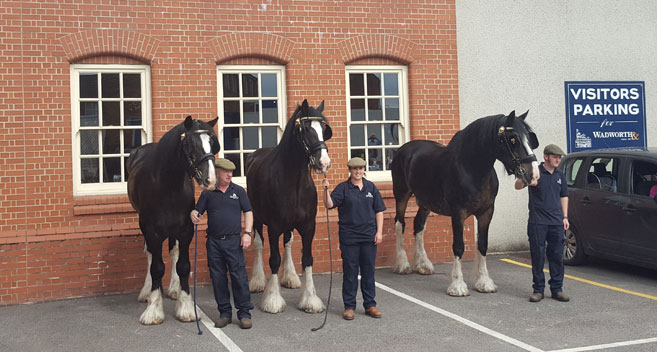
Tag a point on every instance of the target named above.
point(54, 245)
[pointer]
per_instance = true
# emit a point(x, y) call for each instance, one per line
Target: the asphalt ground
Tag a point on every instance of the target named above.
point(612, 308)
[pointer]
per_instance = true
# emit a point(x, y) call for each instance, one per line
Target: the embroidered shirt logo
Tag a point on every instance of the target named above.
point(234, 196)
point(559, 181)
point(369, 195)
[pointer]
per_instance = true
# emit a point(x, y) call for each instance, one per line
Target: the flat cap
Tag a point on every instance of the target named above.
point(224, 164)
point(553, 149)
point(356, 162)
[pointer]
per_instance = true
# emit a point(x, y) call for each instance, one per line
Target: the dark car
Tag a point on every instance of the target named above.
point(610, 210)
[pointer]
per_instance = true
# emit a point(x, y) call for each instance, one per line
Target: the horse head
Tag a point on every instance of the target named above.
point(312, 130)
point(515, 148)
point(199, 144)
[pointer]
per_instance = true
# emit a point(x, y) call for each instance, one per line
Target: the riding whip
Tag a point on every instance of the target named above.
point(198, 326)
point(328, 231)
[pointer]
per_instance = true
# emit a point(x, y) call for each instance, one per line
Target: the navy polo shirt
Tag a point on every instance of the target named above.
point(545, 198)
point(357, 210)
point(224, 209)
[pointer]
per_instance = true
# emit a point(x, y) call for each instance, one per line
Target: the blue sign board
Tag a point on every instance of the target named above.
point(605, 115)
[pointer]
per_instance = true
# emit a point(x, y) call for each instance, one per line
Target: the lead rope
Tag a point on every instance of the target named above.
point(328, 231)
point(198, 326)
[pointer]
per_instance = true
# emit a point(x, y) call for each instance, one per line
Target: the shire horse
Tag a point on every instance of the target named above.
point(458, 180)
point(283, 196)
point(161, 189)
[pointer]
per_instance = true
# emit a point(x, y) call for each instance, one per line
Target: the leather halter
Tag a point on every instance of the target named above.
point(310, 149)
point(515, 160)
point(192, 165)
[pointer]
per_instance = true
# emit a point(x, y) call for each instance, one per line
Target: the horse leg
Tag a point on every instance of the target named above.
point(289, 278)
point(458, 287)
point(185, 303)
point(484, 283)
point(174, 284)
point(310, 302)
point(401, 265)
point(154, 313)
point(421, 263)
point(272, 301)
point(258, 280)
point(148, 281)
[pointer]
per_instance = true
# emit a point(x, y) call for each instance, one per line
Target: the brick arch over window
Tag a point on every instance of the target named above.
point(236, 45)
point(377, 45)
point(115, 42)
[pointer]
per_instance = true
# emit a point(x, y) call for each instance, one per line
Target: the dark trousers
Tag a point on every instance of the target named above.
point(355, 256)
point(554, 236)
point(226, 255)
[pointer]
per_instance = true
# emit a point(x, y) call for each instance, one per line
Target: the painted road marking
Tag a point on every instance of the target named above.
point(588, 281)
point(223, 338)
point(465, 321)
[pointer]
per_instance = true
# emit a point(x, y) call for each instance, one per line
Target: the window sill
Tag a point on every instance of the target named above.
point(109, 204)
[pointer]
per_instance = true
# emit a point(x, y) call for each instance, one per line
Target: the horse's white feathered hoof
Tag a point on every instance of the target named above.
point(424, 268)
point(485, 285)
point(312, 304)
point(290, 280)
point(185, 308)
point(154, 313)
point(256, 286)
point(143, 295)
point(458, 289)
point(403, 269)
point(272, 301)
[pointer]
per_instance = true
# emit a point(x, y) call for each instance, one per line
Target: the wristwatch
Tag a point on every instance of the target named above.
point(250, 233)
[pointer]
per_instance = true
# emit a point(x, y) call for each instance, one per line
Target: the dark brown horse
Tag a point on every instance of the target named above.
point(161, 189)
point(284, 197)
point(458, 180)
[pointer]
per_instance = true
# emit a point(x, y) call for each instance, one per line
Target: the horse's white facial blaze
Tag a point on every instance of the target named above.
point(310, 302)
point(324, 160)
point(212, 176)
point(535, 173)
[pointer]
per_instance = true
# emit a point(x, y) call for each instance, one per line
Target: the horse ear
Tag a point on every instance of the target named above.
point(188, 122)
point(213, 121)
point(320, 108)
point(510, 119)
point(216, 147)
point(522, 117)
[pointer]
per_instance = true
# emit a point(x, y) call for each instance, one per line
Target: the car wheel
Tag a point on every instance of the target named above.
point(573, 250)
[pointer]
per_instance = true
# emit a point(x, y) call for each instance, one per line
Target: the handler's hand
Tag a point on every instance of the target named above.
point(566, 224)
point(325, 183)
point(246, 240)
point(378, 238)
point(195, 216)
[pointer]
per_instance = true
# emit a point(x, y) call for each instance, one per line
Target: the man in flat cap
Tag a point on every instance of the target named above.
point(548, 218)
point(225, 205)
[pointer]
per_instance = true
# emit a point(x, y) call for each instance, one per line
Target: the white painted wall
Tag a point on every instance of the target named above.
point(516, 55)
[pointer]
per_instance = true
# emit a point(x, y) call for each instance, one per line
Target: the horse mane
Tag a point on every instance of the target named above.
point(288, 140)
point(167, 146)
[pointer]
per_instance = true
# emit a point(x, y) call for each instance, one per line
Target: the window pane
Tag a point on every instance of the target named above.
point(392, 109)
point(111, 141)
point(88, 85)
point(391, 134)
point(89, 172)
point(235, 158)
point(231, 138)
point(89, 113)
point(374, 160)
point(231, 85)
point(356, 84)
point(132, 113)
point(110, 85)
point(111, 169)
point(357, 109)
point(89, 142)
point(390, 153)
point(269, 137)
point(111, 113)
point(250, 135)
point(131, 140)
point(131, 85)
point(390, 83)
point(249, 85)
point(357, 135)
point(125, 169)
point(358, 153)
point(268, 85)
point(373, 84)
point(374, 112)
point(251, 109)
point(231, 112)
point(269, 111)
point(373, 134)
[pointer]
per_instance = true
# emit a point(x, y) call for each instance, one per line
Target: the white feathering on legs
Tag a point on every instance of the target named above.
point(174, 284)
point(154, 313)
point(272, 301)
point(401, 265)
point(289, 278)
point(148, 281)
point(185, 307)
point(484, 283)
point(257, 281)
point(421, 262)
point(310, 302)
point(458, 287)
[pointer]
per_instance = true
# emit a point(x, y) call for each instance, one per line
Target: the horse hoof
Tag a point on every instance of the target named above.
point(151, 322)
point(256, 289)
point(457, 294)
point(173, 295)
point(186, 319)
point(402, 271)
point(484, 290)
point(425, 271)
point(291, 283)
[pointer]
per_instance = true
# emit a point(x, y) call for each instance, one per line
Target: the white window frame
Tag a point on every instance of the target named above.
point(279, 70)
point(84, 189)
point(404, 134)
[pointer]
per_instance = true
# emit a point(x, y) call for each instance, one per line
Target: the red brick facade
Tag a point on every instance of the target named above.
point(54, 245)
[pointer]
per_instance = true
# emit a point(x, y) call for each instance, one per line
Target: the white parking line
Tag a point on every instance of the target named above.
point(608, 345)
point(223, 338)
point(465, 321)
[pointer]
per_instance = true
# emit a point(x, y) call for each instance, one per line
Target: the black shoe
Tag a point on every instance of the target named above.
point(245, 323)
point(536, 297)
point(222, 322)
point(560, 296)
